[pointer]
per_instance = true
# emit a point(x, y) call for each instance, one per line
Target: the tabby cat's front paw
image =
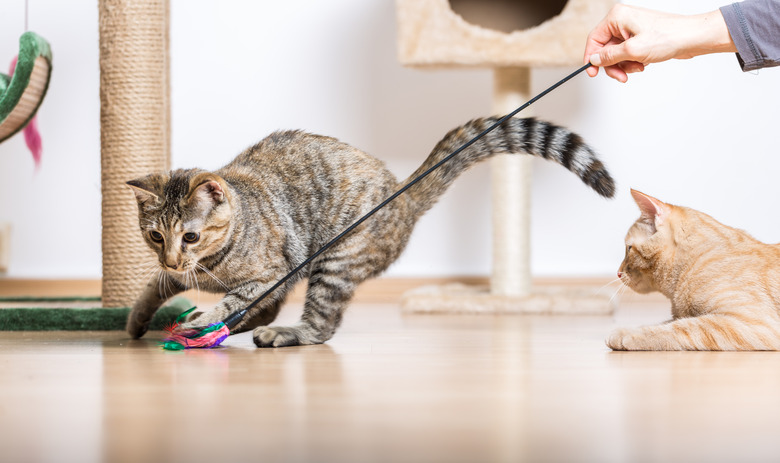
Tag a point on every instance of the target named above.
point(197, 320)
point(278, 336)
point(137, 326)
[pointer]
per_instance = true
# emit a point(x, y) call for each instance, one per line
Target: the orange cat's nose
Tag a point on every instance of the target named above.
point(620, 274)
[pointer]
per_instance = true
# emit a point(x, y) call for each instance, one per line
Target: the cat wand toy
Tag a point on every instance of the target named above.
point(214, 334)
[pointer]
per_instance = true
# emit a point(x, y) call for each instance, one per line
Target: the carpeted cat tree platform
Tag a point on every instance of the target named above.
point(513, 38)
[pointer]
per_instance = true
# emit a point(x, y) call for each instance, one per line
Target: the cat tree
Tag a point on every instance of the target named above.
point(134, 133)
point(519, 36)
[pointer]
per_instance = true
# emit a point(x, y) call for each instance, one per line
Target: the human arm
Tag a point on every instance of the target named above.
point(755, 28)
point(630, 38)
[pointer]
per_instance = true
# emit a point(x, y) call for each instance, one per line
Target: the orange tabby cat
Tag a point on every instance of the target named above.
point(724, 284)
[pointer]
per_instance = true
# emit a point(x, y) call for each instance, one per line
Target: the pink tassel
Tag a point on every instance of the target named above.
point(32, 137)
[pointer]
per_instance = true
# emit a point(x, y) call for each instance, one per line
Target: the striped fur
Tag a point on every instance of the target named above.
point(530, 136)
point(724, 285)
point(281, 200)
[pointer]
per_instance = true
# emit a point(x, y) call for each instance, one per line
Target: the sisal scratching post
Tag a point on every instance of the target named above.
point(134, 126)
point(520, 35)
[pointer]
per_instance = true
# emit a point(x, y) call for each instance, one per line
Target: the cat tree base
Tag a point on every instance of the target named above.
point(459, 298)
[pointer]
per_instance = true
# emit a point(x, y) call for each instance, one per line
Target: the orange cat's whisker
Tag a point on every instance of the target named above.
point(618, 292)
point(606, 285)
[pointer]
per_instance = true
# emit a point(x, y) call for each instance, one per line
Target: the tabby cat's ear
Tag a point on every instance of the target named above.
point(654, 211)
point(206, 190)
point(148, 188)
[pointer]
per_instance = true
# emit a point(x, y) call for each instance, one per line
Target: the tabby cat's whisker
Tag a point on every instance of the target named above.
point(146, 265)
point(197, 285)
point(146, 271)
point(163, 284)
point(187, 281)
point(214, 277)
point(169, 292)
point(160, 279)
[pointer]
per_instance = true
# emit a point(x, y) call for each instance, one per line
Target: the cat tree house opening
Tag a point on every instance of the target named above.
point(507, 15)
point(511, 38)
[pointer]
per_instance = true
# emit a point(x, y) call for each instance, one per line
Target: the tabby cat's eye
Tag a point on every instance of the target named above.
point(156, 236)
point(191, 237)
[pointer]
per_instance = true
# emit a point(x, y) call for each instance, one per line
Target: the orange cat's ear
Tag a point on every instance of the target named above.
point(654, 211)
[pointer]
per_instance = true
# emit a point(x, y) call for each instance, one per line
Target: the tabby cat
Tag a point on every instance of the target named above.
point(724, 284)
point(241, 228)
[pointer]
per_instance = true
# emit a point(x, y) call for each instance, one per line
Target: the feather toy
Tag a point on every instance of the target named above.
point(209, 337)
point(214, 334)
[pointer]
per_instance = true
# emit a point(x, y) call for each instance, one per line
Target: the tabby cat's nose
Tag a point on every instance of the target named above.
point(620, 274)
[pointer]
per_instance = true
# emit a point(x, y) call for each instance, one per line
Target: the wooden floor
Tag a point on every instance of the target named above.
point(389, 388)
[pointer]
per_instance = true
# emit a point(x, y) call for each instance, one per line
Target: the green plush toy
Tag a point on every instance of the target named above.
point(22, 93)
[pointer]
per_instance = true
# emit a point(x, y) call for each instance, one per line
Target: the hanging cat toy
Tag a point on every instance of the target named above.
point(214, 334)
point(23, 89)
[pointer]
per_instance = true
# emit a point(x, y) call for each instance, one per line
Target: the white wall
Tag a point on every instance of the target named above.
point(698, 133)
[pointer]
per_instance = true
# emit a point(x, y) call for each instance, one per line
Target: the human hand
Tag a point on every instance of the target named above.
point(630, 38)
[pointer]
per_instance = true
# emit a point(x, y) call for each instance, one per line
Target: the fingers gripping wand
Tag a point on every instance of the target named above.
point(214, 334)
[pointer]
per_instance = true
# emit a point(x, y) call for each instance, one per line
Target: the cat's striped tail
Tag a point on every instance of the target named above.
point(522, 136)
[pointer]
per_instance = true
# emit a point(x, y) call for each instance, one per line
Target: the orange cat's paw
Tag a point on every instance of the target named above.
point(622, 339)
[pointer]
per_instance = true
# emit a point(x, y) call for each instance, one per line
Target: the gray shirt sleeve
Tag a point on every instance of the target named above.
point(754, 26)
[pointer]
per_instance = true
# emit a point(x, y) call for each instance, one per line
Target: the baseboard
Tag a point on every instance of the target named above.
point(380, 290)
point(19, 287)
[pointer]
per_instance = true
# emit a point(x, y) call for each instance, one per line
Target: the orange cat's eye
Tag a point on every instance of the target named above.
point(156, 236)
point(191, 237)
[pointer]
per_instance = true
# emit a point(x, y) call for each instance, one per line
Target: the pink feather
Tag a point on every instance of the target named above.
point(33, 140)
point(32, 137)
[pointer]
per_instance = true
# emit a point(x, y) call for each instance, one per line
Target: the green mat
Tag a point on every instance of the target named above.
point(80, 319)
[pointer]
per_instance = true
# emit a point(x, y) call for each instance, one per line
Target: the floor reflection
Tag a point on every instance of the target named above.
point(667, 397)
point(197, 405)
point(387, 388)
